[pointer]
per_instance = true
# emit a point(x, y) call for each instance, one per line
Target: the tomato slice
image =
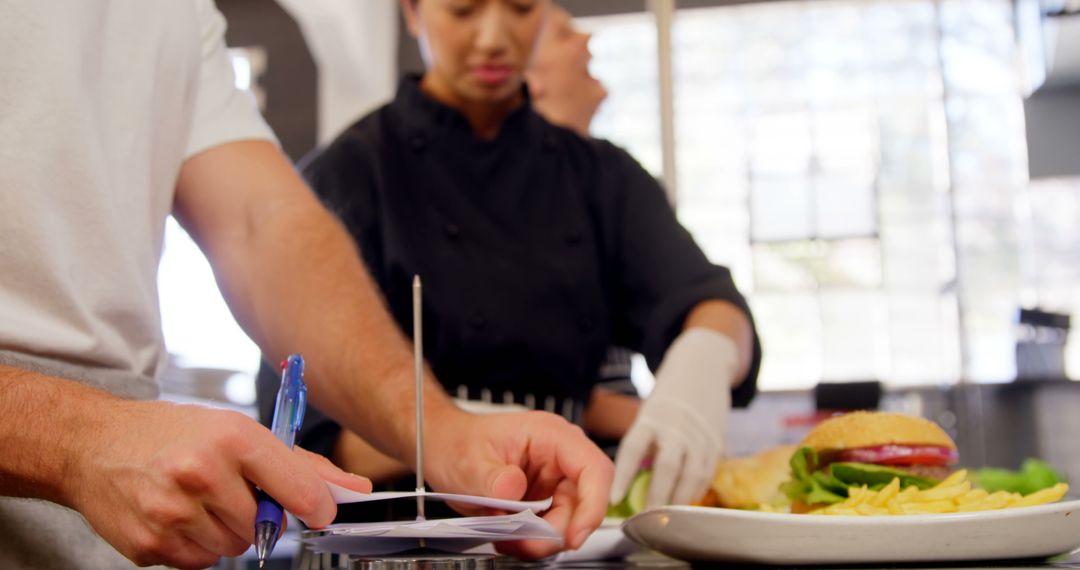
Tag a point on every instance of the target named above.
point(901, 455)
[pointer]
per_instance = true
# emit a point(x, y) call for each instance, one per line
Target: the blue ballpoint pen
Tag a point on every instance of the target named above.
point(288, 415)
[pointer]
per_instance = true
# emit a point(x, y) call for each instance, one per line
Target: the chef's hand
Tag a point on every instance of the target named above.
point(682, 423)
point(525, 455)
point(172, 484)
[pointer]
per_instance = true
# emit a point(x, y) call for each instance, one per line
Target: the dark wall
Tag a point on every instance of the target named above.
point(602, 7)
point(409, 60)
point(1052, 120)
point(290, 80)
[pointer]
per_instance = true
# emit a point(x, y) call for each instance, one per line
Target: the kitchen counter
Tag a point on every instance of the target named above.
point(646, 561)
point(653, 561)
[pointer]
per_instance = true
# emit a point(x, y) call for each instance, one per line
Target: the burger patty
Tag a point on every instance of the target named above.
point(930, 471)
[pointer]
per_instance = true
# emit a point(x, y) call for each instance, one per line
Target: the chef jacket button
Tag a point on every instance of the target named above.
point(477, 321)
point(417, 143)
point(573, 237)
point(585, 324)
point(453, 232)
point(549, 142)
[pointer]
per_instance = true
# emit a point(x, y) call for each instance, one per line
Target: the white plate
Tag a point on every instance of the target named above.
point(607, 542)
point(727, 535)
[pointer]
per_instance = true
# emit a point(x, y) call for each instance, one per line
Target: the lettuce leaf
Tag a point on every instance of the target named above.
point(1032, 476)
point(819, 487)
point(830, 485)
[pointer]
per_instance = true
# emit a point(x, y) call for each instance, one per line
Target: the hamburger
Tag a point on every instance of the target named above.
point(867, 449)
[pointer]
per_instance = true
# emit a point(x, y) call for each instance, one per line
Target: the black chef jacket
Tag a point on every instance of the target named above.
point(538, 250)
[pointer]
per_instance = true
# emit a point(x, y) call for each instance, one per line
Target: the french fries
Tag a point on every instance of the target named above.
point(953, 495)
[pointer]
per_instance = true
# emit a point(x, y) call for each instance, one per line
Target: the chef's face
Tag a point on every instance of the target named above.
point(563, 89)
point(476, 51)
point(562, 47)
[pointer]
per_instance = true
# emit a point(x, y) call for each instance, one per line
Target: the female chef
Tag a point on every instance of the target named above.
point(538, 248)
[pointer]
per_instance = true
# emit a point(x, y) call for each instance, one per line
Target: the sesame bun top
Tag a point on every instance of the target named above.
point(867, 429)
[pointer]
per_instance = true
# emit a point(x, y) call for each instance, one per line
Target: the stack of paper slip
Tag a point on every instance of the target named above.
point(342, 496)
point(452, 535)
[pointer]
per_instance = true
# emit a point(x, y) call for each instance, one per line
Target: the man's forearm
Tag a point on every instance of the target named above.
point(295, 282)
point(43, 419)
point(313, 296)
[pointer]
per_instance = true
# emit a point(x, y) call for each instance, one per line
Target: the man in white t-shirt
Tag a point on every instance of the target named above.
point(116, 114)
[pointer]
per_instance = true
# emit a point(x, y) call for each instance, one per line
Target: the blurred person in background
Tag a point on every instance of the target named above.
point(566, 94)
point(116, 115)
point(564, 91)
point(561, 88)
point(539, 248)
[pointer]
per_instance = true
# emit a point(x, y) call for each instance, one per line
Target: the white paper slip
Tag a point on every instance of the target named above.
point(389, 546)
point(342, 495)
point(521, 525)
point(444, 534)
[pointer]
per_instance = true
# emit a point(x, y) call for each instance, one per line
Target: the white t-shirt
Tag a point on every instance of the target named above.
point(101, 101)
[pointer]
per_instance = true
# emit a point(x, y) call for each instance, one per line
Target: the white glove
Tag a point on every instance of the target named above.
point(683, 422)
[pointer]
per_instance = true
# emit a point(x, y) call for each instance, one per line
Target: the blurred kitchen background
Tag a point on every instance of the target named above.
point(894, 183)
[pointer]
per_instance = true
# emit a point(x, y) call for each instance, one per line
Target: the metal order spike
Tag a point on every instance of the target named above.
point(418, 363)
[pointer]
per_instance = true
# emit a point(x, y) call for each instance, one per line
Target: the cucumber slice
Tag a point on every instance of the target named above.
point(639, 491)
point(634, 501)
point(617, 511)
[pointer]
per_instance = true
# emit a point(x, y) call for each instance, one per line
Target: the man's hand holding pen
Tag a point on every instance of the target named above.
point(173, 484)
